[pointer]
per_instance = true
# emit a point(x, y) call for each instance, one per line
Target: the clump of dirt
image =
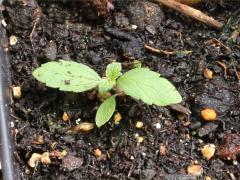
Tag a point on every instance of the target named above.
point(48, 31)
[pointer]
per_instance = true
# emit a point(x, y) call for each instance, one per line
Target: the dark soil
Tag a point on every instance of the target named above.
point(86, 32)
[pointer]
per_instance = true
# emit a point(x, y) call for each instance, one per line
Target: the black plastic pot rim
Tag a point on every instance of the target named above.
point(7, 161)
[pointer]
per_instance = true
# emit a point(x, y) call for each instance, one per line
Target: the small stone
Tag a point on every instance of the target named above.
point(207, 73)
point(12, 40)
point(158, 125)
point(139, 139)
point(117, 118)
point(208, 178)
point(136, 135)
point(45, 159)
point(195, 170)
point(65, 117)
point(139, 124)
point(195, 125)
point(121, 20)
point(17, 93)
point(134, 27)
point(97, 152)
point(71, 162)
point(4, 23)
point(50, 51)
point(132, 158)
point(208, 151)
point(207, 129)
point(235, 163)
point(209, 114)
point(162, 149)
point(151, 29)
point(34, 159)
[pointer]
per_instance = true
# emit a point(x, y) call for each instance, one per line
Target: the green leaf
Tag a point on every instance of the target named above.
point(148, 86)
point(105, 111)
point(113, 71)
point(105, 85)
point(67, 76)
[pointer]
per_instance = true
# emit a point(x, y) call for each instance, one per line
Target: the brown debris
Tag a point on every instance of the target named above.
point(162, 149)
point(83, 127)
point(191, 12)
point(230, 149)
point(190, 2)
point(101, 7)
point(158, 51)
point(224, 66)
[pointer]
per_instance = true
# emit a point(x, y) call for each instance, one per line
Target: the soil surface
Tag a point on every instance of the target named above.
point(93, 33)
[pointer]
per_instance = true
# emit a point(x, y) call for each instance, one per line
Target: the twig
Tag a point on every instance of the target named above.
point(164, 52)
point(223, 45)
point(159, 51)
point(223, 65)
point(191, 12)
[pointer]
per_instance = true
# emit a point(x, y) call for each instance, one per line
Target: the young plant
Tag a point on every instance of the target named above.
point(139, 83)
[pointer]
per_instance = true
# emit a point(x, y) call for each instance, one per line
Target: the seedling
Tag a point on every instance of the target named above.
point(139, 83)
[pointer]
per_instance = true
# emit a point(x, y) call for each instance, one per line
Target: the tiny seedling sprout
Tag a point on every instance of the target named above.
point(140, 83)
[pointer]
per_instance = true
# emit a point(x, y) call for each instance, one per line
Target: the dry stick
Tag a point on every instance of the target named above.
point(193, 13)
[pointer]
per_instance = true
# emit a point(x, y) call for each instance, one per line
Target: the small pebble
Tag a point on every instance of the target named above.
point(209, 114)
point(97, 152)
point(139, 124)
point(208, 178)
point(162, 150)
point(195, 170)
point(71, 162)
point(207, 73)
point(195, 125)
point(134, 27)
point(117, 118)
point(4, 23)
point(158, 125)
point(65, 117)
point(132, 158)
point(17, 93)
point(151, 29)
point(12, 40)
point(208, 151)
point(235, 163)
point(139, 139)
point(207, 129)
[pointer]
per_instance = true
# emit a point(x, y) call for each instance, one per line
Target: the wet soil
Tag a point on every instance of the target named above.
point(95, 35)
